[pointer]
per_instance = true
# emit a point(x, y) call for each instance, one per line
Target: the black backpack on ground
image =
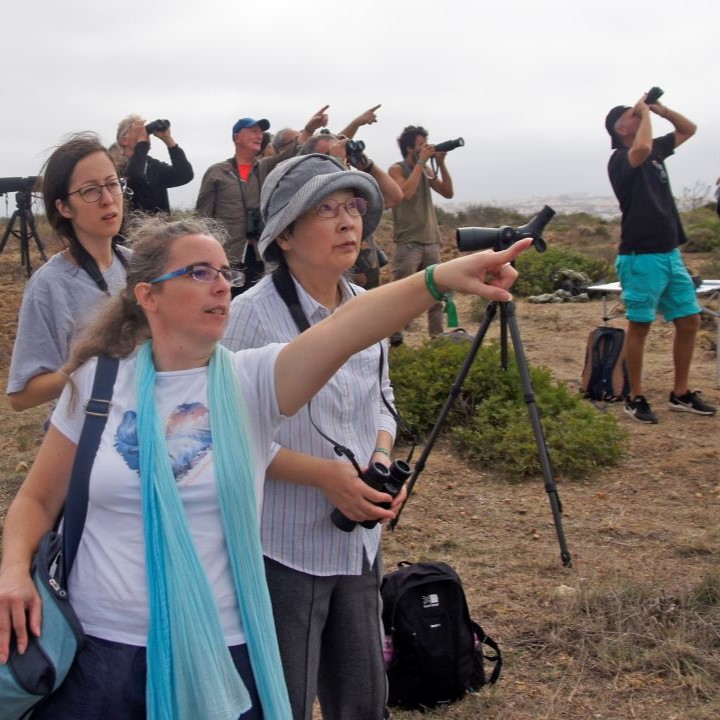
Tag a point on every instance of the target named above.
point(604, 376)
point(437, 650)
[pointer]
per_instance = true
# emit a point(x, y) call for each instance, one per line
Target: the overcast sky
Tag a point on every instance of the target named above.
point(527, 84)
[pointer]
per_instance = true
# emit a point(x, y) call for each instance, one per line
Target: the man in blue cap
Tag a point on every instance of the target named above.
point(650, 269)
point(230, 190)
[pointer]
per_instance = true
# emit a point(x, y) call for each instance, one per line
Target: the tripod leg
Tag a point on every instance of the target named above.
point(24, 245)
point(8, 230)
point(508, 315)
point(449, 402)
point(34, 234)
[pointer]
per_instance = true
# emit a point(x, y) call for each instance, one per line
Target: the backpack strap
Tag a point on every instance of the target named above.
point(485, 639)
point(97, 410)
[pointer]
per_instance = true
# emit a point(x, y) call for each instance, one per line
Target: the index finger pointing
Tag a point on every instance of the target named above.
point(373, 109)
point(509, 254)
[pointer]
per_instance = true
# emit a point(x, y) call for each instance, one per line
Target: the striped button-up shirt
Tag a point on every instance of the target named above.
point(296, 526)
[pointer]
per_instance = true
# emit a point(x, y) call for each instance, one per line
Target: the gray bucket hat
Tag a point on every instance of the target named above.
point(298, 184)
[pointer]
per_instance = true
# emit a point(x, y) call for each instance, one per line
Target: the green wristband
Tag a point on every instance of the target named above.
point(382, 451)
point(450, 308)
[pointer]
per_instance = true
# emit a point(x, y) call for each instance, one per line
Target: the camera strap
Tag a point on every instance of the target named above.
point(285, 286)
point(288, 292)
point(87, 262)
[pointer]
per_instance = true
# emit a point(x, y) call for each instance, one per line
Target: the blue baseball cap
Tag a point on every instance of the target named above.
point(243, 123)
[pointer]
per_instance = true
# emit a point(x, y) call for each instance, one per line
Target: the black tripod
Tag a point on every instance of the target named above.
point(26, 232)
point(508, 319)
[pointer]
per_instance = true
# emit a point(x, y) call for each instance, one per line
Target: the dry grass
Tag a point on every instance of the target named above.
point(631, 630)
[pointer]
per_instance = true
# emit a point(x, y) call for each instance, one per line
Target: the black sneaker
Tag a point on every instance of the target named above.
point(690, 402)
point(639, 409)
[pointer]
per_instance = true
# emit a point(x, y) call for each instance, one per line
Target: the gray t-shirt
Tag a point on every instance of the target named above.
point(59, 300)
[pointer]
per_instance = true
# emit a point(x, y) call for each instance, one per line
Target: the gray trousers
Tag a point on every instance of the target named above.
point(408, 258)
point(329, 630)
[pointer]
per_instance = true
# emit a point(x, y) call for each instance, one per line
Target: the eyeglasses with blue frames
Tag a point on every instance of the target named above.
point(92, 193)
point(330, 208)
point(204, 273)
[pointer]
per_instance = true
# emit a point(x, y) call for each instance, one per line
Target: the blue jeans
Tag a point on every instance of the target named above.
point(107, 682)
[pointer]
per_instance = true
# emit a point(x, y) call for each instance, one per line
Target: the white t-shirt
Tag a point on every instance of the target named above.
point(108, 580)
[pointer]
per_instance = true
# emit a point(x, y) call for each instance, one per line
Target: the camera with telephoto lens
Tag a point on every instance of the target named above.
point(449, 145)
point(477, 238)
point(354, 151)
point(18, 184)
point(254, 224)
point(157, 126)
point(653, 95)
point(378, 477)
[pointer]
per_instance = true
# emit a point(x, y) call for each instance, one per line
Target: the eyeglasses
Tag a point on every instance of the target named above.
point(204, 273)
point(92, 193)
point(330, 208)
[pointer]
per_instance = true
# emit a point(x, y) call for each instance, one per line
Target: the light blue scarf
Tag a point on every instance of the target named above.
point(190, 672)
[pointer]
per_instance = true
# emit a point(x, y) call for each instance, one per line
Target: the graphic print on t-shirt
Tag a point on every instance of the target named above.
point(187, 436)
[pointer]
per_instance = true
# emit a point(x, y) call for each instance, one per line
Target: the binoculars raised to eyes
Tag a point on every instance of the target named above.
point(157, 126)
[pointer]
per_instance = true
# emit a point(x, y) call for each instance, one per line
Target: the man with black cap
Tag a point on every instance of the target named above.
point(650, 269)
point(230, 190)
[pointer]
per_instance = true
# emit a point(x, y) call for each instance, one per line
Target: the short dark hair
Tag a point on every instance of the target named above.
point(406, 141)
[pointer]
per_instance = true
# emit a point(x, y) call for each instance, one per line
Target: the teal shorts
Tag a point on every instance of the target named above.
point(656, 283)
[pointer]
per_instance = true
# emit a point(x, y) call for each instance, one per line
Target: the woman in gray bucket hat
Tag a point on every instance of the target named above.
point(323, 581)
point(323, 575)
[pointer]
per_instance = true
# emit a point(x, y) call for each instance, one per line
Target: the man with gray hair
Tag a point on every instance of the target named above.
point(148, 178)
point(230, 190)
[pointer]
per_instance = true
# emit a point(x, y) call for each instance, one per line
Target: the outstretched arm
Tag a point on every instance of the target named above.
point(317, 120)
point(306, 364)
point(366, 118)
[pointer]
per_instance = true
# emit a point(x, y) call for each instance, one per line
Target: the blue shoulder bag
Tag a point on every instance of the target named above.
point(27, 679)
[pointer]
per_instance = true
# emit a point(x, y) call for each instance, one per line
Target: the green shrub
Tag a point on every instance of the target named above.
point(702, 229)
point(537, 269)
point(490, 421)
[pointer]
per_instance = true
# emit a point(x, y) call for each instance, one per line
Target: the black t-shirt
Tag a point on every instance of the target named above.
point(650, 219)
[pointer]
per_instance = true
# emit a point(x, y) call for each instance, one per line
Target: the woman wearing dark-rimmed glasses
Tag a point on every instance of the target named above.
point(83, 198)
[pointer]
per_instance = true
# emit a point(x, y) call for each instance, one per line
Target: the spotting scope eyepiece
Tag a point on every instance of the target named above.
point(478, 238)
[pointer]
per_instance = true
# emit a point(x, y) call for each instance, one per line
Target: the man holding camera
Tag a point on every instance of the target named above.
point(148, 178)
point(650, 269)
point(230, 190)
point(416, 232)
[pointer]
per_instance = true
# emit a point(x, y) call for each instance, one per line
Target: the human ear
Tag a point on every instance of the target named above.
point(63, 208)
point(283, 240)
point(145, 297)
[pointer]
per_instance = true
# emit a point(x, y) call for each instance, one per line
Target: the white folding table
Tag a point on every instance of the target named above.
point(708, 293)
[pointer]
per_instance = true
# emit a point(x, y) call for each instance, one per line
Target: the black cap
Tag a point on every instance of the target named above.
point(612, 117)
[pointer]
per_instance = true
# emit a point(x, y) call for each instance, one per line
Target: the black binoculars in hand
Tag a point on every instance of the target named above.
point(157, 126)
point(378, 477)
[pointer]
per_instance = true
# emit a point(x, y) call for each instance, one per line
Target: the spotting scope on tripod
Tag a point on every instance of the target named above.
point(469, 239)
point(23, 188)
